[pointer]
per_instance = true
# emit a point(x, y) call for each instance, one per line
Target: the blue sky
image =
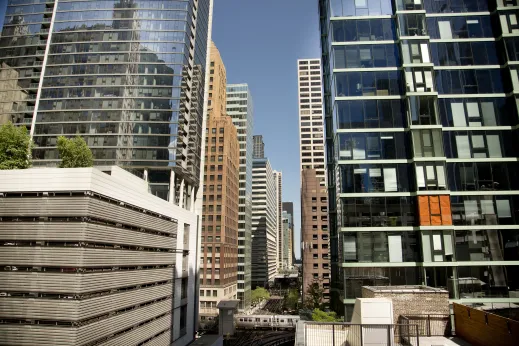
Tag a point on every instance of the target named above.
point(260, 42)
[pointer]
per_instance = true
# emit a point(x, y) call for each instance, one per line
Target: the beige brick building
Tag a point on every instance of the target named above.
point(219, 251)
point(411, 300)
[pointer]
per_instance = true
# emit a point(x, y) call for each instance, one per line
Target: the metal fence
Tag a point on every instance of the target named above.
point(430, 325)
point(347, 334)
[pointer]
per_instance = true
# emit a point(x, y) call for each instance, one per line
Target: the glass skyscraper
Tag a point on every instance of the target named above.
point(421, 134)
point(127, 75)
point(241, 109)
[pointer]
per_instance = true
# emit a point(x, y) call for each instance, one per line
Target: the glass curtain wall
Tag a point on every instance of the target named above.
point(421, 136)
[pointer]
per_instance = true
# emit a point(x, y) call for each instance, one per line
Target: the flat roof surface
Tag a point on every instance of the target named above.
point(228, 304)
point(442, 341)
point(405, 289)
point(208, 340)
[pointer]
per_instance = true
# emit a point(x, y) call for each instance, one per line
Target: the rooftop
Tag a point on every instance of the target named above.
point(405, 289)
point(228, 304)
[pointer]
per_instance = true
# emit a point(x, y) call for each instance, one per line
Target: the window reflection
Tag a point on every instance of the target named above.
point(369, 83)
point(372, 146)
point(450, 6)
point(370, 114)
point(365, 56)
point(480, 144)
point(483, 176)
point(484, 210)
point(380, 247)
point(378, 211)
point(465, 53)
point(475, 112)
point(485, 281)
point(355, 278)
point(374, 178)
point(363, 30)
point(470, 81)
point(345, 8)
point(459, 27)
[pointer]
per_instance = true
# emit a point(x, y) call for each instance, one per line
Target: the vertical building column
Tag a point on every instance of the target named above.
point(181, 196)
point(192, 200)
point(171, 196)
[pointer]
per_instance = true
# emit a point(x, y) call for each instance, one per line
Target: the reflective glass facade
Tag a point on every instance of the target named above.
point(127, 75)
point(241, 109)
point(421, 132)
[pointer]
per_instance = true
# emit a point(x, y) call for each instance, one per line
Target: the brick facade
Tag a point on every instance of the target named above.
point(411, 300)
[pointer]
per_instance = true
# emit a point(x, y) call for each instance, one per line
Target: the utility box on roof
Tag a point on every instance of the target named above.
point(226, 316)
point(377, 312)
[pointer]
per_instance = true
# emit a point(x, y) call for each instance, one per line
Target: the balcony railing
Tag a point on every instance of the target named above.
point(430, 325)
point(337, 334)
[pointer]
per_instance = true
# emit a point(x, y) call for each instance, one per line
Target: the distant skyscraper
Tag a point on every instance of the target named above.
point(278, 177)
point(264, 223)
point(259, 147)
point(314, 214)
point(289, 208)
point(287, 239)
point(219, 251)
point(421, 113)
point(240, 109)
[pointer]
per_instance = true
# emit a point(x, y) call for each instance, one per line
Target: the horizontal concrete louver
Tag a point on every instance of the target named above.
point(76, 310)
point(83, 207)
point(82, 232)
point(81, 257)
point(30, 335)
point(79, 283)
point(142, 333)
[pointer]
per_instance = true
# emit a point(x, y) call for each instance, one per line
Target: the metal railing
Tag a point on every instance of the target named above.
point(430, 324)
point(339, 334)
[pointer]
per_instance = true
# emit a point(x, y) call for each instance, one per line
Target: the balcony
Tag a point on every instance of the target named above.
point(331, 334)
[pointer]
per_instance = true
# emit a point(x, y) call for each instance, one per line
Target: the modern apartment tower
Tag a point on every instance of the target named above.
point(278, 180)
point(240, 109)
point(219, 251)
point(127, 75)
point(264, 224)
point(421, 130)
point(314, 217)
point(259, 147)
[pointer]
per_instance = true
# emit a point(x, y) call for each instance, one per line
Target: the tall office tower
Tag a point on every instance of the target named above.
point(311, 124)
point(289, 208)
point(90, 257)
point(264, 223)
point(259, 147)
point(314, 226)
point(219, 251)
point(420, 122)
point(278, 177)
point(101, 69)
point(240, 109)
point(287, 239)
